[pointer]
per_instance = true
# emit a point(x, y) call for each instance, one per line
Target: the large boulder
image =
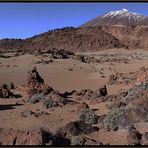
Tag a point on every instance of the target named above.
point(77, 128)
point(34, 78)
point(102, 91)
point(36, 84)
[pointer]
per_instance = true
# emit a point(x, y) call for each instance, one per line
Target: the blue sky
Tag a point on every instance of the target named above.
point(22, 20)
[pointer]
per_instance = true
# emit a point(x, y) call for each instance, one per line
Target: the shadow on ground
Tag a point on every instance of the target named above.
point(8, 106)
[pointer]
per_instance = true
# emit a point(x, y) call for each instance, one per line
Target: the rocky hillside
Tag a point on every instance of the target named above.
point(69, 38)
point(133, 37)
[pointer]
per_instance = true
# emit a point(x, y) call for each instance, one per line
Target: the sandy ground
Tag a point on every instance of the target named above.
point(58, 76)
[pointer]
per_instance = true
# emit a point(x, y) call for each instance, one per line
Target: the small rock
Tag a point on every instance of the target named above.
point(27, 113)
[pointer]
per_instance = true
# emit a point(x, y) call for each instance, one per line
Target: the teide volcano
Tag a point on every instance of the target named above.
point(119, 17)
point(115, 29)
point(130, 28)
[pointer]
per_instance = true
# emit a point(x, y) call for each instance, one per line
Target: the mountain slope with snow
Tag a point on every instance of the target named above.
point(120, 17)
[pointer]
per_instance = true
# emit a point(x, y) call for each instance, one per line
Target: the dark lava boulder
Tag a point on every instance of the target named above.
point(102, 91)
point(77, 128)
point(5, 91)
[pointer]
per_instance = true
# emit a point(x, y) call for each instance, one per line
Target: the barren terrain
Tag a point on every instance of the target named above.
point(67, 75)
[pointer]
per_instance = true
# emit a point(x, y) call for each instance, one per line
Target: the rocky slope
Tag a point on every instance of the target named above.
point(133, 37)
point(73, 39)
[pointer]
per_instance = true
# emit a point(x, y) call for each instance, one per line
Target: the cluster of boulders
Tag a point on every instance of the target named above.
point(128, 109)
point(87, 94)
point(17, 137)
point(72, 134)
point(39, 91)
point(141, 75)
point(42, 61)
point(101, 58)
point(56, 53)
point(121, 78)
point(129, 78)
point(106, 58)
point(77, 132)
point(5, 90)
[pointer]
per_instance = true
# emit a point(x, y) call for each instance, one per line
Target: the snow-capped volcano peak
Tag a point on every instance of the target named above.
point(121, 17)
point(124, 13)
point(124, 10)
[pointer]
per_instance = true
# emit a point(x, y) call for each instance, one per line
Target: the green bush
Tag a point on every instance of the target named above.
point(77, 140)
point(48, 103)
point(88, 116)
point(112, 117)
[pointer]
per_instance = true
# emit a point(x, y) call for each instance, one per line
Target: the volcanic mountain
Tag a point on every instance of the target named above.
point(115, 29)
point(130, 28)
point(119, 17)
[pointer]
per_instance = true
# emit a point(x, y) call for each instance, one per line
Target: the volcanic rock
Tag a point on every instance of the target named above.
point(133, 137)
point(144, 140)
point(27, 113)
point(5, 91)
point(102, 91)
point(77, 128)
point(36, 84)
point(17, 137)
point(83, 106)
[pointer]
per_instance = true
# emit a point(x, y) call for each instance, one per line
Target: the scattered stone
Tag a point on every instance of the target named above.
point(89, 141)
point(70, 69)
point(11, 86)
point(27, 113)
point(112, 79)
point(144, 140)
point(83, 106)
point(79, 58)
point(59, 53)
point(78, 128)
point(17, 137)
point(5, 91)
point(133, 137)
point(102, 91)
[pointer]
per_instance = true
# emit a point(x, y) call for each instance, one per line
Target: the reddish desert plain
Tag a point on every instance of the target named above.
point(81, 100)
